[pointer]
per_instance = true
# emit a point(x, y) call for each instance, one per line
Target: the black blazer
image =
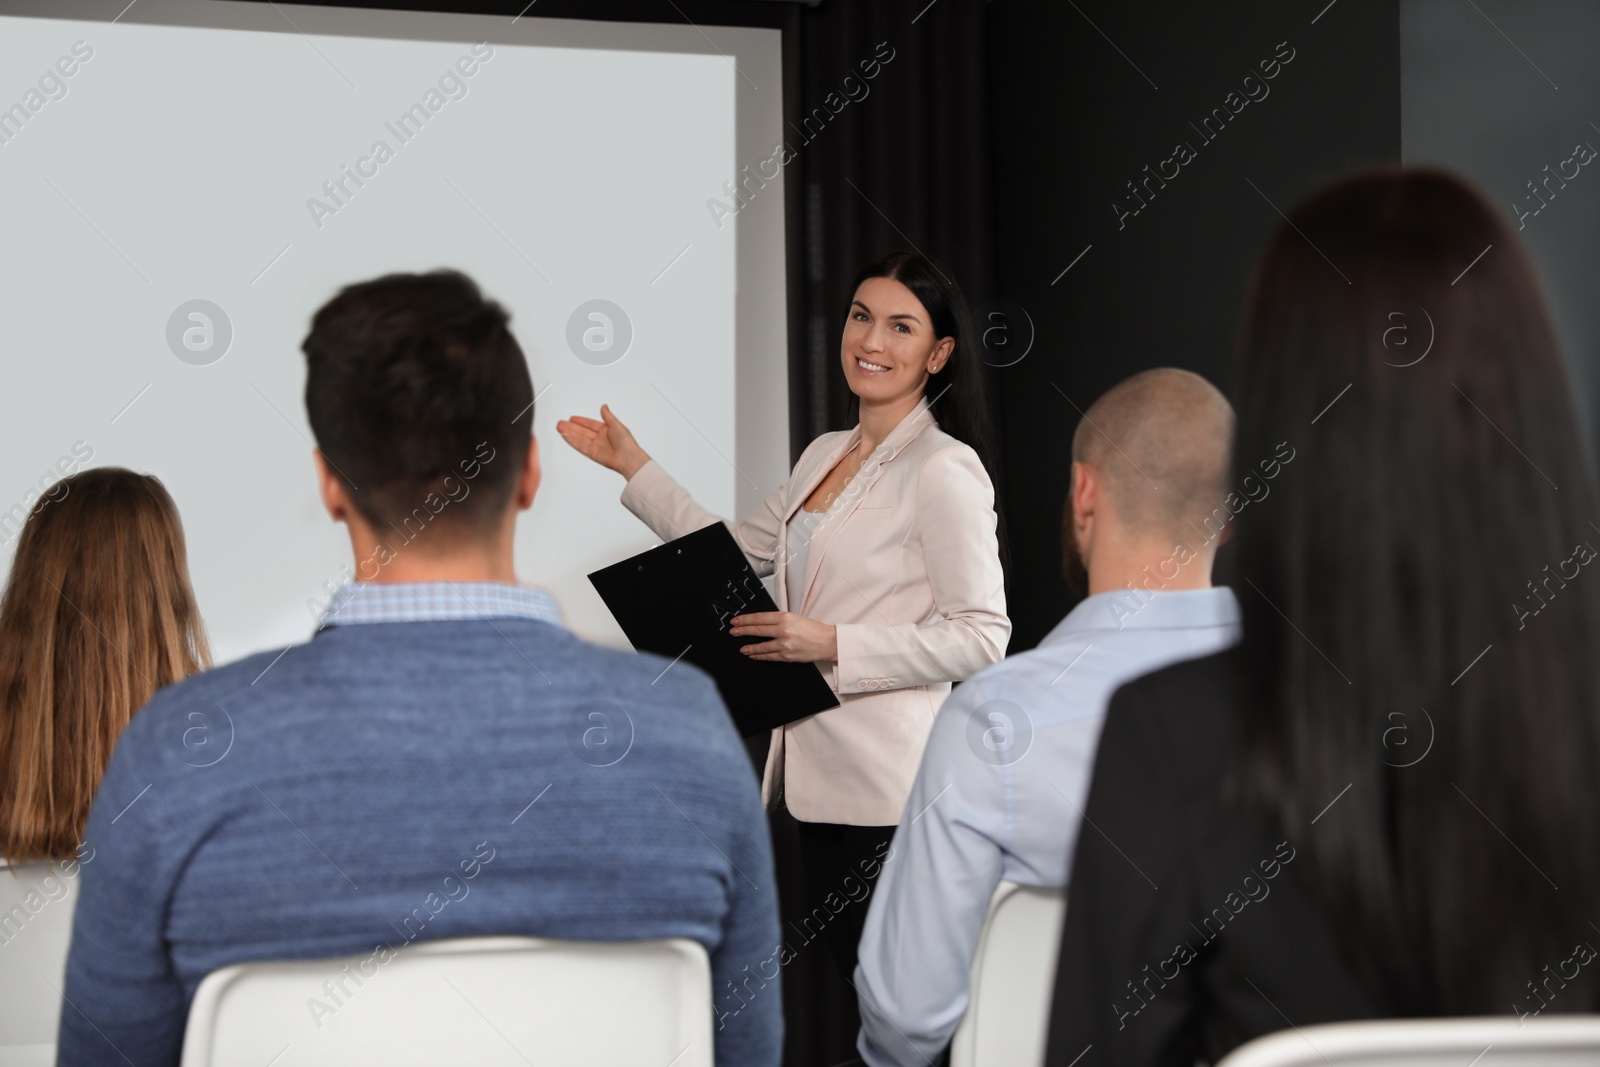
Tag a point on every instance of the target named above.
point(1186, 933)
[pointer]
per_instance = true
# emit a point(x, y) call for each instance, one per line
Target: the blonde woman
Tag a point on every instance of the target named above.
point(97, 615)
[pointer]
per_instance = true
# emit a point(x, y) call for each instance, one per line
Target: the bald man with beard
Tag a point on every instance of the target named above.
point(1003, 780)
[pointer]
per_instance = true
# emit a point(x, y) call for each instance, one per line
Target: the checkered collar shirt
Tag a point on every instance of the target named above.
point(358, 602)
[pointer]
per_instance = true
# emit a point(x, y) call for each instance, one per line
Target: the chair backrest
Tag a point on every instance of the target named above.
point(1489, 1041)
point(36, 905)
point(1013, 975)
point(517, 1001)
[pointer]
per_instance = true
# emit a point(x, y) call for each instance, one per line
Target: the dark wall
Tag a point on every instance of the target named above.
point(1500, 102)
point(1079, 110)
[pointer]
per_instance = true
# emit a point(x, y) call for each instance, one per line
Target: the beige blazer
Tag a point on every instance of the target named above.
point(906, 565)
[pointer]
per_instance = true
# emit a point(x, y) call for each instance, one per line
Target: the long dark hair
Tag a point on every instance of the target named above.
point(1413, 695)
point(959, 393)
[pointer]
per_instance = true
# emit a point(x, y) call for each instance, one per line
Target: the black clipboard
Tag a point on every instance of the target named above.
point(676, 599)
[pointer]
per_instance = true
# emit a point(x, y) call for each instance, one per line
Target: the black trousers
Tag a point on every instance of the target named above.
point(825, 876)
point(841, 866)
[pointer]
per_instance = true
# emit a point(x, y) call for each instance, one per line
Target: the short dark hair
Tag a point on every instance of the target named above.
point(415, 383)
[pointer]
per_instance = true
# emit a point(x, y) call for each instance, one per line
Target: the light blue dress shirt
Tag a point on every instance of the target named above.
point(999, 797)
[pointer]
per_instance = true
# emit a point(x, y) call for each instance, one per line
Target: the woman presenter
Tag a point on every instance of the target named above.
point(885, 546)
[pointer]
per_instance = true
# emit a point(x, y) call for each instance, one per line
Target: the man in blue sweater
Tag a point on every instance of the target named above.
point(442, 758)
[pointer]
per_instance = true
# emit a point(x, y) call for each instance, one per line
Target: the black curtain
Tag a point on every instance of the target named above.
point(907, 165)
point(903, 162)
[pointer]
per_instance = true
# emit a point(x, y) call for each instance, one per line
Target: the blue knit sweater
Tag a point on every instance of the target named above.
point(390, 782)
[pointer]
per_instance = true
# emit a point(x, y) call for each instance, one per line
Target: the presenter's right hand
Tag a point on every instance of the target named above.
point(607, 442)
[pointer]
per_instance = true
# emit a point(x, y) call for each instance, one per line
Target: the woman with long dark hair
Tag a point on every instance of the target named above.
point(1383, 803)
point(887, 561)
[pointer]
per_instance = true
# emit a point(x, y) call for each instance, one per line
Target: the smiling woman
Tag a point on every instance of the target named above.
point(886, 547)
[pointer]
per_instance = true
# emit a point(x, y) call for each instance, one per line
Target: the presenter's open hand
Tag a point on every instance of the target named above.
point(793, 638)
point(606, 441)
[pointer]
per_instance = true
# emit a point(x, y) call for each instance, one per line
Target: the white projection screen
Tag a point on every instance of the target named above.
point(182, 160)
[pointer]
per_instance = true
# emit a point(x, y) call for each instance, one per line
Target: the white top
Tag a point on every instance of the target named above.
point(802, 528)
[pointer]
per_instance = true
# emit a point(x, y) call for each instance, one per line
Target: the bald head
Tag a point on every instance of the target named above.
point(1160, 443)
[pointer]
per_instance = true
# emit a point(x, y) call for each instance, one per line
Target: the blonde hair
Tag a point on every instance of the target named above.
point(97, 615)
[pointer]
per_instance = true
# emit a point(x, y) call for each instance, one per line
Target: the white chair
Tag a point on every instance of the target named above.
point(1491, 1041)
point(36, 905)
point(1013, 976)
point(516, 1001)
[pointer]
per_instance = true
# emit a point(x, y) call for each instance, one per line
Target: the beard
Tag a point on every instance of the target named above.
point(1073, 568)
